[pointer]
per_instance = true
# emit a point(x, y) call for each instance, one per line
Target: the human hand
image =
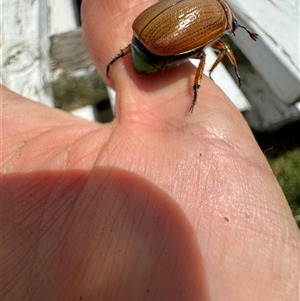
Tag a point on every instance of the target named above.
point(156, 205)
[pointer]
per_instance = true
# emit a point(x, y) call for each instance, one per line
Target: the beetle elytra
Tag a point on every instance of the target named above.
point(171, 31)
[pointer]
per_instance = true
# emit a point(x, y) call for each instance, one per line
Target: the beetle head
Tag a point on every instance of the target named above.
point(232, 23)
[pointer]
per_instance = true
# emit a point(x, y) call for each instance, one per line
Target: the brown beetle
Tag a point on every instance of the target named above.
point(172, 31)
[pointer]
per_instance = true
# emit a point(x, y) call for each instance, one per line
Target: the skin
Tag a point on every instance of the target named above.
point(156, 205)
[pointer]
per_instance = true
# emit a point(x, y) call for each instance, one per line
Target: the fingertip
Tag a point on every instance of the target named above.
point(107, 27)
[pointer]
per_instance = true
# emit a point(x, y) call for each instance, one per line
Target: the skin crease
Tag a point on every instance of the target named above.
point(156, 205)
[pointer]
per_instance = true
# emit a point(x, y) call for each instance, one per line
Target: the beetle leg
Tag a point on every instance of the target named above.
point(223, 50)
point(197, 81)
point(122, 53)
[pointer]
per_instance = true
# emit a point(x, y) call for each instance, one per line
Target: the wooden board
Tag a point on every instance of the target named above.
point(276, 53)
point(25, 49)
point(75, 81)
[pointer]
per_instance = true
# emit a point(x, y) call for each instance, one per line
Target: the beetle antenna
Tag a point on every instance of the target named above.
point(253, 35)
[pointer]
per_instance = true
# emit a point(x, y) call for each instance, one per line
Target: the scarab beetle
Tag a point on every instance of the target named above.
point(171, 31)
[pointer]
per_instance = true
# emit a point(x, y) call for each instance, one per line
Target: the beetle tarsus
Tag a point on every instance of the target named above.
point(122, 53)
point(119, 55)
point(195, 88)
point(198, 77)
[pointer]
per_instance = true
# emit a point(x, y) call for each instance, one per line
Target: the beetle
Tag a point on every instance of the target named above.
point(172, 31)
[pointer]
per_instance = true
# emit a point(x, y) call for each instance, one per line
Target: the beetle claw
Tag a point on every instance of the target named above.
point(253, 35)
point(191, 109)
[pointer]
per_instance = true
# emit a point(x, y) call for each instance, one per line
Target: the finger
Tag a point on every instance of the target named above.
point(108, 28)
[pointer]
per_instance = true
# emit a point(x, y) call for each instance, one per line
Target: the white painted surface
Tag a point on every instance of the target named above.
point(276, 53)
point(86, 112)
point(62, 16)
point(25, 49)
point(25, 45)
point(112, 98)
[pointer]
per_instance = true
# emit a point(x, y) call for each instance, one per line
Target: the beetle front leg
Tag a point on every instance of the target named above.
point(223, 50)
point(122, 53)
point(197, 81)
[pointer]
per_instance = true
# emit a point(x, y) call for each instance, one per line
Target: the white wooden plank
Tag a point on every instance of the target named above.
point(24, 46)
point(86, 112)
point(276, 53)
point(112, 98)
point(62, 16)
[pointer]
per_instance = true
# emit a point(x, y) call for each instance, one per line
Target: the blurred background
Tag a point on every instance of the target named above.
point(44, 59)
